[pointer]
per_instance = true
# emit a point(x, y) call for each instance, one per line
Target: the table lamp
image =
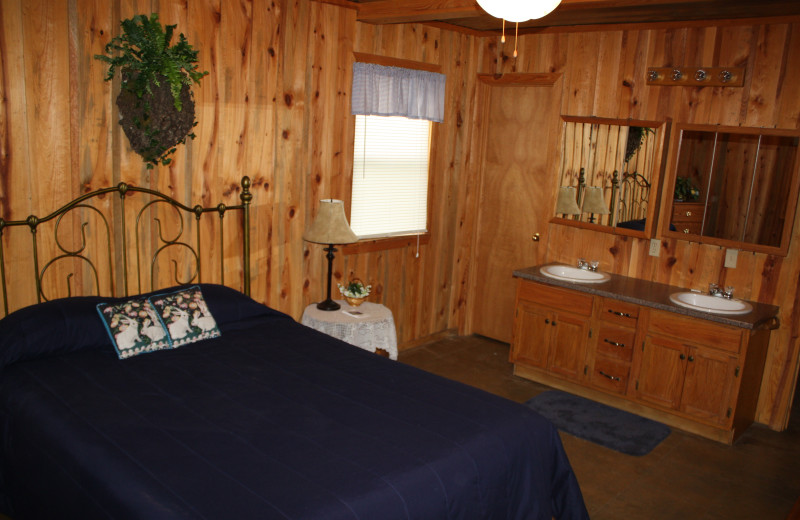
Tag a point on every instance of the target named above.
point(566, 204)
point(330, 227)
point(593, 203)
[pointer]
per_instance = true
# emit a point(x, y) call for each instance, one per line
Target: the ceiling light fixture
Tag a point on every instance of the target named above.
point(517, 11)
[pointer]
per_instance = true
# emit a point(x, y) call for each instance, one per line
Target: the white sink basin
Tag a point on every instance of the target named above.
point(712, 304)
point(573, 274)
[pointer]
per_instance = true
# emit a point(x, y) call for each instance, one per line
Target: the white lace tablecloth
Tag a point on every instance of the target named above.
point(373, 330)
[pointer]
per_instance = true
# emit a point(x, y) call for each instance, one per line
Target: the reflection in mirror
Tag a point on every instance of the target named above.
point(734, 186)
point(610, 166)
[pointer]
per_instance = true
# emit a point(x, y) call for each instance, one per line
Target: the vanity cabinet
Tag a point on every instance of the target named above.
point(692, 373)
point(551, 327)
point(690, 366)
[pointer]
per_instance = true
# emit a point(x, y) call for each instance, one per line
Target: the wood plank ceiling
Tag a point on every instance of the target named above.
point(466, 15)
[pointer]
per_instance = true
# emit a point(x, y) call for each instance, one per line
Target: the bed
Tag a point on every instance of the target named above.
point(260, 417)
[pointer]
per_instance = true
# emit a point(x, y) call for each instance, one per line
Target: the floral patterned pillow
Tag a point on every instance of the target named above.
point(134, 327)
point(186, 316)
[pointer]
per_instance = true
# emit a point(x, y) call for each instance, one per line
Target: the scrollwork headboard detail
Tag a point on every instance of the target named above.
point(634, 197)
point(110, 246)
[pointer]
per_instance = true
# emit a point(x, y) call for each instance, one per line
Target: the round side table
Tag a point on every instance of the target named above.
point(371, 330)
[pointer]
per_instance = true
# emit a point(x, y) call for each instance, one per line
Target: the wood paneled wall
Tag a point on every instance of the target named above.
point(275, 107)
point(604, 76)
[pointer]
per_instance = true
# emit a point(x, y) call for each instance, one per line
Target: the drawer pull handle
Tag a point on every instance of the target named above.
point(691, 358)
point(683, 356)
point(688, 213)
point(620, 345)
point(686, 231)
point(623, 314)
point(613, 378)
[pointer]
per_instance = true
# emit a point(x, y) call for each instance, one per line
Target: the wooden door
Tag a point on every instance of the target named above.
point(517, 195)
point(710, 375)
point(531, 335)
point(568, 349)
point(661, 374)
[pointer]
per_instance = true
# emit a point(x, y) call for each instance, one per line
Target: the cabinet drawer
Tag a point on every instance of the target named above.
point(687, 212)
point(555, 297)
point(688, 228)
point(615, 342)
point(696, 331)
point(622, 313)
point(610, 374)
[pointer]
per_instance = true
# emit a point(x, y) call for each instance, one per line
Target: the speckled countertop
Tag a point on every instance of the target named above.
point(656, 296)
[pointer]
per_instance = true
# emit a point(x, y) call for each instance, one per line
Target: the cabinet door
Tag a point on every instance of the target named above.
point(661, 375)
point(568, 348)
point(532, 329)
point(709, 380)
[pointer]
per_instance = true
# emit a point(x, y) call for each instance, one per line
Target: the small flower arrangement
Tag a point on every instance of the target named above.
point(355, 289)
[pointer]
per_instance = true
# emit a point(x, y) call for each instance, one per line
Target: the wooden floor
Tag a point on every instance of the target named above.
point(684, 478)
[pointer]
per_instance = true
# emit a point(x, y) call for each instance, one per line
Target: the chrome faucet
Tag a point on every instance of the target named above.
point(588, 266)
point(714, 290)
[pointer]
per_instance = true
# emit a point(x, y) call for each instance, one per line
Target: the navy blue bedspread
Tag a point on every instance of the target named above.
point(271, 420)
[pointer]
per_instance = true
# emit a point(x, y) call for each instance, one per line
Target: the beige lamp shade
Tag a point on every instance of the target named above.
point(330, 226)
point(593, 201)
point(566, 203)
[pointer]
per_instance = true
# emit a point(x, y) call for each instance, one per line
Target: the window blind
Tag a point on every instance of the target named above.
point(390, 176)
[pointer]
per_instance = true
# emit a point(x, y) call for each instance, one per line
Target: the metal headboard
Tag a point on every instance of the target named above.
point(117, 243)
point(634, 198)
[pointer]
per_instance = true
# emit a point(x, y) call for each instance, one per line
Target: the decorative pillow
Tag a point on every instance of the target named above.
point(134, 327)
point(186, 316)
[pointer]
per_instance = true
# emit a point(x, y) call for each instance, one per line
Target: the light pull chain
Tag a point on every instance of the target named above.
point(516, 35)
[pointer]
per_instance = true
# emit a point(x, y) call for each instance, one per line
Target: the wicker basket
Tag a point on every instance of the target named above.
point(355, 302)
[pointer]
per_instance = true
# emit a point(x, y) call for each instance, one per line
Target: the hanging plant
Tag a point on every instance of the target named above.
point(636, 136)
point(155, 100)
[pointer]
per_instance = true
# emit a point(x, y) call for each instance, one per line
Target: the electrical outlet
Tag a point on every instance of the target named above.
point(730, 257)
point(655, 247)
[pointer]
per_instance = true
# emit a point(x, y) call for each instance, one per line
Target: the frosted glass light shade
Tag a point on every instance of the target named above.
point(518, 10)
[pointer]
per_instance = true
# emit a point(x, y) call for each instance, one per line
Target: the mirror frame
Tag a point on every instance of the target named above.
point(662, 136)
point(669, 182)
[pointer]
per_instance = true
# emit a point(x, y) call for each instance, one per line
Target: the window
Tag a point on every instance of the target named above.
point(390, 176)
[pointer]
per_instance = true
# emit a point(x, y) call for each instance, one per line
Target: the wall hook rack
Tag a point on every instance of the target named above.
point(696, 76)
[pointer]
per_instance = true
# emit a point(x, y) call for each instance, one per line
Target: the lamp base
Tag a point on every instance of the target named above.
point(328, 305)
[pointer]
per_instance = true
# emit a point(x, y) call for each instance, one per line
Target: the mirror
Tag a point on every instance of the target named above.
point(733, 187)
point(608, 176)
